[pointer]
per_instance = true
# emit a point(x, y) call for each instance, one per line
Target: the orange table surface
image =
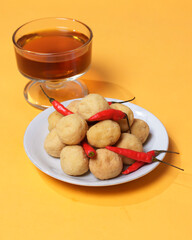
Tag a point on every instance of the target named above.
point(141, 49)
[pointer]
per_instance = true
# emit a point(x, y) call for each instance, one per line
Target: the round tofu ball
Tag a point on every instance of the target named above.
point(104, 133)
point(53, 144)
point(71, 129)
point(74, 160)
point(129, 141)
point(53, 119)
point(73, 106)
point(106, 165)
point(92, 104)
point(123, 122)
point(140, 129)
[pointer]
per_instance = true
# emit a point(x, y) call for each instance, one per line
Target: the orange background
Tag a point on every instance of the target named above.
point(141, 49)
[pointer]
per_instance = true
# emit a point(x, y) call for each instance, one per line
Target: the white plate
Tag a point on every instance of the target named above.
point(38, 130)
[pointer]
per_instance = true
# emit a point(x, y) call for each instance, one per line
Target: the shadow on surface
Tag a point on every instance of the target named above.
point(104, 82)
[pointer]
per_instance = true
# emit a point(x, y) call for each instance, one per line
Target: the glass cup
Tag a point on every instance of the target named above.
point(53, 53)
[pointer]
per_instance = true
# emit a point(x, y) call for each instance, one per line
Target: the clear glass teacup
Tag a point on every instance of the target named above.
point(53, 53)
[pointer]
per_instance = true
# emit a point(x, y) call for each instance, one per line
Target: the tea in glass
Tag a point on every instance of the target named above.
point(53, 52)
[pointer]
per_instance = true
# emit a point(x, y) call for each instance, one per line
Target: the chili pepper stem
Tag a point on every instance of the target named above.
point(125, 100)
point(157, 152)
point(91, 154)
point(157, 160)
point(50, 99)
point(126, 116)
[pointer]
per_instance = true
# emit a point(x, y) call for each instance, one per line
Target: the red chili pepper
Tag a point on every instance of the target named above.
point(112, 114)
point(121, 101)
point(148, 157)
point(136, 165)
point(89, 150)
point(138, 156)
point(57, 105)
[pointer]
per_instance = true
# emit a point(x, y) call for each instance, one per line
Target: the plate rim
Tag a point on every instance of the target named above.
point(97, 183)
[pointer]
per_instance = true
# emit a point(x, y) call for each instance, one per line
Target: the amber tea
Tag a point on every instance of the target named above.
point(53, 54)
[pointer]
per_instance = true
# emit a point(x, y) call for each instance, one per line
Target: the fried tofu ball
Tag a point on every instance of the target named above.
point(73, 106)
point(123, 122)
point(140, 129)
point(53, 119)
point(106, 165)
point(74, 161)
point(129, 141)
point(104, 133)
point(71, 129)
point(53, 144)
point(92, 104)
